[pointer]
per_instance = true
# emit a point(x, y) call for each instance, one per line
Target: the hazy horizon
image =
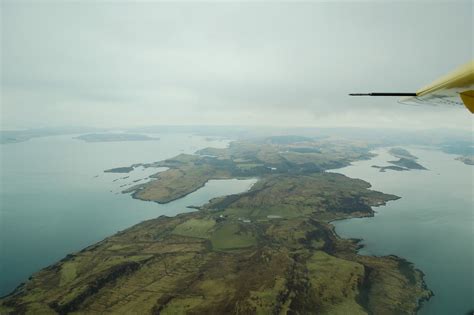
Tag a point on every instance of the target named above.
point(112, 65)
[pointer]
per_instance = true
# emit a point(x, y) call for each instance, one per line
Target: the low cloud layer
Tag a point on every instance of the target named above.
point(133, 64)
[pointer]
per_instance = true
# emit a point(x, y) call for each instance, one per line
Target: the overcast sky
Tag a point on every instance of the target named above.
point(133, 64)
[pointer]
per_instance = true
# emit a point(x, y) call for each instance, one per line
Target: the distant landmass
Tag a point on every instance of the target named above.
point(15, 136)
point(466, 159)
point(109, 137)
point(460, 147)
point(463, 148)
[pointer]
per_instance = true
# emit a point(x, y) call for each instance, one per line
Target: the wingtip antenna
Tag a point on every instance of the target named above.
point(383, 94)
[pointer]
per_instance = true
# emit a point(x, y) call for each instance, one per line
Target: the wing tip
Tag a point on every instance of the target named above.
point(468, 99)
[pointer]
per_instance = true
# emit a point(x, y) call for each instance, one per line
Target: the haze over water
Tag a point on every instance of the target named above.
point(53, 204)
point(431, 225)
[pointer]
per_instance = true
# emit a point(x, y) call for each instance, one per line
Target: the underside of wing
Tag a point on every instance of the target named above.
point(455, 89)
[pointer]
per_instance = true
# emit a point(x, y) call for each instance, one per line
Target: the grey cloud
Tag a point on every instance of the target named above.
point(228, 63)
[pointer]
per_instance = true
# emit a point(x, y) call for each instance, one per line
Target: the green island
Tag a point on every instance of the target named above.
point(269, 250)
point(408, 164)
point(126, 169)
point(406, 161)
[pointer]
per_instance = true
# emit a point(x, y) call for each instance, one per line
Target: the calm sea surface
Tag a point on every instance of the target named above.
point(432, 225)
point(55, 198)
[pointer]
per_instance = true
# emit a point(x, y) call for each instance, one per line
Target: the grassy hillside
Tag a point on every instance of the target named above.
point(271, 250)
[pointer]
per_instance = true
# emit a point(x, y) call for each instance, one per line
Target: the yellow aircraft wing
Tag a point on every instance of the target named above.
point(456, 88)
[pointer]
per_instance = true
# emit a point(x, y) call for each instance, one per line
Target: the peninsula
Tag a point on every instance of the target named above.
point(269, 250)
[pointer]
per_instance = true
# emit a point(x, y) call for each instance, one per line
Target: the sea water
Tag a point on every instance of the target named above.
point(55, 198)
point(432, 225)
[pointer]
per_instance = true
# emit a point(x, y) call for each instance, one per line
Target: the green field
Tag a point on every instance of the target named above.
point(232, 236)
point(195, 228)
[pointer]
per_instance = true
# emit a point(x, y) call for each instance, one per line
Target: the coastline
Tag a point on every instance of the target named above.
point(347, 198)
point(357, 241)
point(421, 212)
